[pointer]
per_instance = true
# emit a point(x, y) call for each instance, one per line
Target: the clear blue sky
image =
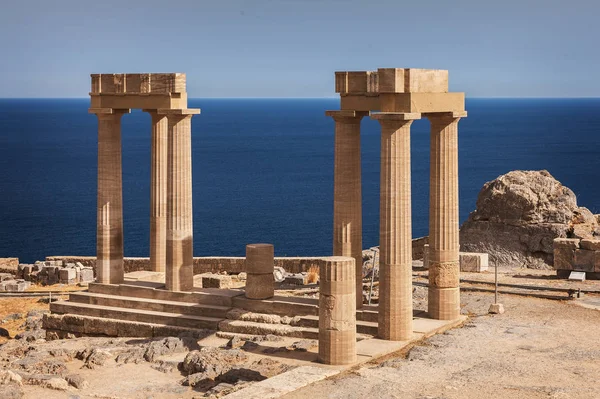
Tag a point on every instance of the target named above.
point(290, 48)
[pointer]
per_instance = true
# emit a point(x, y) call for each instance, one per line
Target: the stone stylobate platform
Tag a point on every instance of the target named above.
point(164, 97)
point(395, 97)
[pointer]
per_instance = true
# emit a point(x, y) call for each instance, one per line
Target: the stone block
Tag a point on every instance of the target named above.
point(27, 271)
point(590, 244)
point(216, 281)
point(412, 80)
point(473, 262)
point(563, 257)
point(584, 260)
point(6, 276)
point(86, 275)
point(426, 256)
point(16, 285)
point(67, 275)
point(572, 243)
point(296, 279)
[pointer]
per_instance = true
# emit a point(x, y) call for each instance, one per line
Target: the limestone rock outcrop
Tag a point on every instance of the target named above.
point(518, 216)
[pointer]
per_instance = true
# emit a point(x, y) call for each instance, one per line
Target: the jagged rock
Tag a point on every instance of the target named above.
point(235, 342)
point(10, 377)
point(37, 363)
point(304, 346)
point(169, 345)
point(212, 362)
point(77, 381)
point(165, 366)
point(94, 358)
point(133, 355)
point(31, 335)
point(519, 215)
point(60, 384)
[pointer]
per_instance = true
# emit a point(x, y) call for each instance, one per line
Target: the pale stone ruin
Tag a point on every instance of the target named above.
point(579, 255)
point(393, 96)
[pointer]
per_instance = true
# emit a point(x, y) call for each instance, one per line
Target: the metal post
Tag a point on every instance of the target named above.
point(496, 278)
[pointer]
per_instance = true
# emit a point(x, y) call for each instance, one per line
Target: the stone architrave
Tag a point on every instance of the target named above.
point(395, 320)
point(158, 192)
point(179, 273)
point(260, 265)
point(347, 197)
point(444, 267)
point(337, 311)
point(109, 239)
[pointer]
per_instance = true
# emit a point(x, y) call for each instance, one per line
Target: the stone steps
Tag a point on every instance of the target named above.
point(68, 325)
point(155, 305)
point(362, 327)
point(138, 315)
point(206, 296)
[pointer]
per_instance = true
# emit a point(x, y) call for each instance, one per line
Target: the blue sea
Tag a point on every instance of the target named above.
point(263, 170)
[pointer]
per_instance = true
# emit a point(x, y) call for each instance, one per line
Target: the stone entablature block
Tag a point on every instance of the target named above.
point(139, 90)
point(578, 255)
point(408, 90)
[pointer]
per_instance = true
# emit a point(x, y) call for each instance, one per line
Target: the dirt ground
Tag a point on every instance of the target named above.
point(537, 349)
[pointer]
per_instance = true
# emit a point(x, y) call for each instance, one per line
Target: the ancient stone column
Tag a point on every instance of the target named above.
point(179, 271)
point(444, 268)
point(347, 200)
point(109, 239)
point(259, 271)
point(395, 320)
point(337, 310)
point(158, 192)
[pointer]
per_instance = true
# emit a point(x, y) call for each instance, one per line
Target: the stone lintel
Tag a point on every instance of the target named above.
point(346, 113)
point(359, 102)
point(422, 102)
point(138, 83)
point(139, 100)
point(395, 116)
point(109, 111)
point(185, 111)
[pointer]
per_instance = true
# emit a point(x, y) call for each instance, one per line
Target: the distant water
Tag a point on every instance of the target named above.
point(263, 170)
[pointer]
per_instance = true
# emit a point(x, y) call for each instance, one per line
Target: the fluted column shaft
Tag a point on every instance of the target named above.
point(444, 269)
point(158, 192)
point(109, 239)
point(347, 197)
point(395, 230)
point(179, 250)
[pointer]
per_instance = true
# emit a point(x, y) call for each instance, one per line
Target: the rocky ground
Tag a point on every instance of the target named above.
point(537, 349)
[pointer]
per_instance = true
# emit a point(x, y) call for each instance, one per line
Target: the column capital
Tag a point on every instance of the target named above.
point(108, 111)
point(346, 114)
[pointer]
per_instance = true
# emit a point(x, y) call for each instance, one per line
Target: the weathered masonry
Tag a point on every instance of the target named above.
point(395, 97)
point(164, 97)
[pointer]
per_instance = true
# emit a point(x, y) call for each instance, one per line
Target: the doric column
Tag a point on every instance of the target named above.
point(158, 192)
point(395, 321)
point(347, 200)
point(179, 274)
point(444, 269)
point(109, 238)
point(337, 311)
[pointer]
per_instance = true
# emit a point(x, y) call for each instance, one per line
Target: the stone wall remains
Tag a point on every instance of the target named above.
point(209, 264)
